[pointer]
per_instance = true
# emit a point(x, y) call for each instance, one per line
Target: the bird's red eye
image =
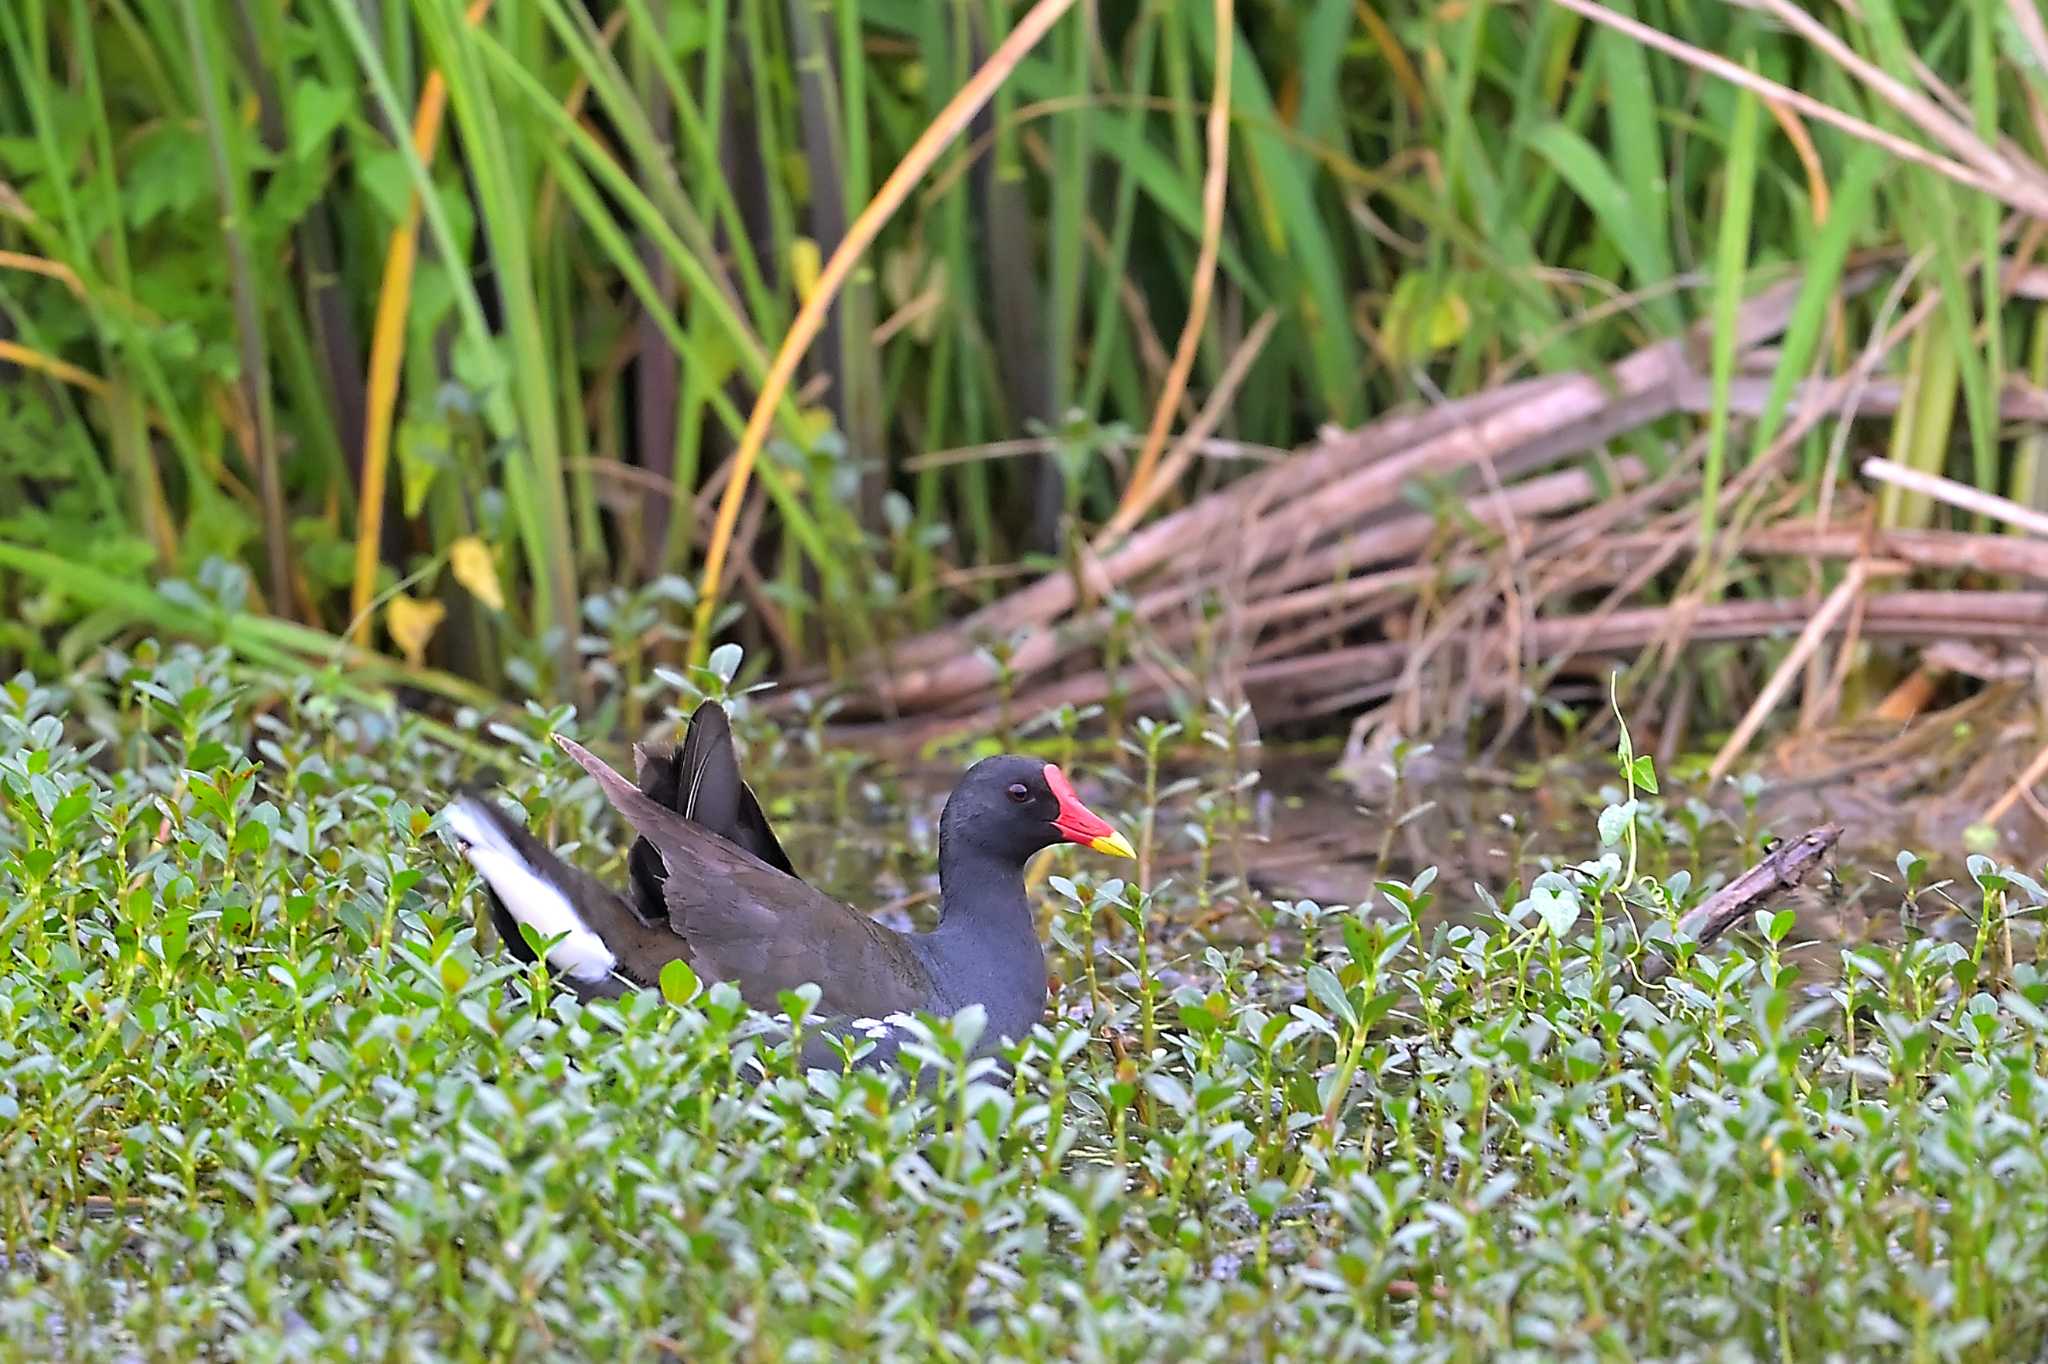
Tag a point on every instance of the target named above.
point(1019, 792)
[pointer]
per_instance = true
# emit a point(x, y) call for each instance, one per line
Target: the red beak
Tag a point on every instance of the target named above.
point(1081, 824)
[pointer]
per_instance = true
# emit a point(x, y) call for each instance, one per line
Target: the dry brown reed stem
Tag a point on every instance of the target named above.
point(941, 665)
point(49, 269)
point(1208, 447)
point(1302, 685)
point(2036, 771)
point(1282, 511)
point(1287, 594)
point(1300, 553)
point(2018, 400)
point(1914, 616)
point(1955, 494)
point(1839, 397)
point(2027, 21)
point(1141, 499)
point(1927, 114)
point(1780, 681)
point(64, 372)
point(1942, 550)
point(2024, 195)
point(1679, 540)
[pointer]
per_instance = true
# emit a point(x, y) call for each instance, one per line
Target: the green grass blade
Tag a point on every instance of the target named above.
point(1731, 268)
point(1848, 217)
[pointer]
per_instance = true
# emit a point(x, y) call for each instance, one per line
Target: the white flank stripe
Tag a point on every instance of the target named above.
point(531, 900)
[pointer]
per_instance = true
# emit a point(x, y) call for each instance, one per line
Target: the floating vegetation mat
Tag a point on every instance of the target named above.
point(266, 1093)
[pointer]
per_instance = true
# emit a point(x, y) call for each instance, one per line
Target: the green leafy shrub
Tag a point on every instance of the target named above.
point(264, 1094)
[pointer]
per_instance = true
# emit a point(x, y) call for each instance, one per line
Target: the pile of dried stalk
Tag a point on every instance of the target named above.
point(1314, 587)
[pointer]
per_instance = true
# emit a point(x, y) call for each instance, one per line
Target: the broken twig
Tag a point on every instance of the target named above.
point(1782, 868)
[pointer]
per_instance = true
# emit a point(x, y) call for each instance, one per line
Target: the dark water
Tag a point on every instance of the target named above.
point(1303, 832)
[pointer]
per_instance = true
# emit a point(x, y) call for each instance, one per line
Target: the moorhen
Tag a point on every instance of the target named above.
point(713, 899)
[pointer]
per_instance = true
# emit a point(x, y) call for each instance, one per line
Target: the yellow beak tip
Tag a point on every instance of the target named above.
point(1116, 845)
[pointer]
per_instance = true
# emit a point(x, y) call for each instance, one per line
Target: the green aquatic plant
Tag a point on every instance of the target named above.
point(266, 1092)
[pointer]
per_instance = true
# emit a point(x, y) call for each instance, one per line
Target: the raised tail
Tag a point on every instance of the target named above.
point(605, 948)
point(700, 780)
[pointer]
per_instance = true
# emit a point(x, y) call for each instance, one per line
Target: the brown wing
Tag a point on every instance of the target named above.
point(762, 929)
point(701, 782)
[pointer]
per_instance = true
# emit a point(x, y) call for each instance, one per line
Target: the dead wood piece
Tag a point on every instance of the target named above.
point(1899, 615)
point(1309, 683)
point(1237, 590)
point(1954, 494)
point(1153, 544)
point(1784, 867)
point(1284, 592)
point(1405, 536)
point(2018, 400)
point(1326, 488)
point(1952, 550)
point(1955, 656)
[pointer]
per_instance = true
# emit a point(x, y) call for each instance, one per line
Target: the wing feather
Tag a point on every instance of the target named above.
point(760, 928)
point(700, 781)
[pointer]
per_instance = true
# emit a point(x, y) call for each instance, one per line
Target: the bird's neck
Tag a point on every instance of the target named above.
point(986, 944)
point(980, 890)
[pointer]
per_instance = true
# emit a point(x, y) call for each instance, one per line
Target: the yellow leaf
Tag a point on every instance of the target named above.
point(713, 359)
point(903, 270)
point(1423, 316)
point(812, 424)
point(412, 623)
point(916, 289)
point(804, 264)
point(470, 558)
point(1449, 322)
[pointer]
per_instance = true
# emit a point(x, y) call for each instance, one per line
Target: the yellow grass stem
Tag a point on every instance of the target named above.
point(39, 265)
point(387, 350)
point(14, 353)
point(1214, 185)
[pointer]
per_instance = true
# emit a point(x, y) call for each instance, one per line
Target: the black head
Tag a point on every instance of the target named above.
point(1012, 806)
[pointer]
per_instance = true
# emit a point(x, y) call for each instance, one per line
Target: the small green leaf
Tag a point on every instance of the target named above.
point(252, 840)
point(725, 662)
point(1170, 1092)
point(71, 808)
point(317, 110)
point(1323, 984)
point(1558, 908)
point(679, 983)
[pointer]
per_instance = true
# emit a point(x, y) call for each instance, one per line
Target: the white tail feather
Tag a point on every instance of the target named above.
point(530, 899)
